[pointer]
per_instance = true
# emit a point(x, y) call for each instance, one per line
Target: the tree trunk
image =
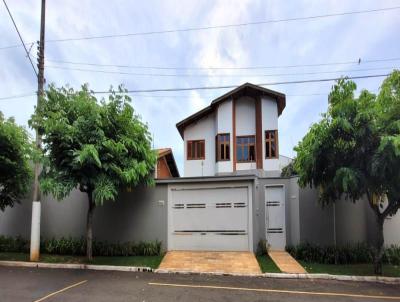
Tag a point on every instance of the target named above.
point(89, 232)
point(378, 249)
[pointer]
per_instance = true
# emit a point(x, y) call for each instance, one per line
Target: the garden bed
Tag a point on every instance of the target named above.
point(267, 265)
point(359, 269)
point(142, 261)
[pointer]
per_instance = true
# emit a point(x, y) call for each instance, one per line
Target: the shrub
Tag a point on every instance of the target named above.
point(14, 244)
point(262, 247)
point(392, 255)
point(77, 247)
point(346, 254)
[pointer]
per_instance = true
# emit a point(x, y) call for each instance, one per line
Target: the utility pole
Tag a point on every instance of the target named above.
point(36, 208)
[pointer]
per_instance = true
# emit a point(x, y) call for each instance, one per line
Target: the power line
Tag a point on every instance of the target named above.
point(190, 29)
point(18, 96)
point(235, 86)
point(135, 95)
point(358, 61)
point(213, 75)
point(20, 37)
point(226, 25)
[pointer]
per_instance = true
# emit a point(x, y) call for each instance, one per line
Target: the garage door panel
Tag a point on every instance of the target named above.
point(209, 219)
point(215, 195)
point(211, 243)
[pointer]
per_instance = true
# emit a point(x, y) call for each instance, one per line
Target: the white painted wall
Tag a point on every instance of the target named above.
point(269, 115)
point(283, 160)
point(245, 116)
point(245, 124)
point(224, 125)
point(202, 129)
point(221, 122)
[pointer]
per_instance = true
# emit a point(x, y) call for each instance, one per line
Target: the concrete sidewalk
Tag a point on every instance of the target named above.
point(286, 263)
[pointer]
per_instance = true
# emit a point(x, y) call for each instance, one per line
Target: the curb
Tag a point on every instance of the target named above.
point(187, 272)
point(375, 279)
point(77, 266)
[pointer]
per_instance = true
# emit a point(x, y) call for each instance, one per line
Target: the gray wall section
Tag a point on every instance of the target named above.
point(16, 221)
point(351, 222)
point(142, 215)
point(137, 215)
point(316, 223)
point(294, 212)
point(290, 206)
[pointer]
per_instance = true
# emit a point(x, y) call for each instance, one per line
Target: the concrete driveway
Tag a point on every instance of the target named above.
point(211, 262)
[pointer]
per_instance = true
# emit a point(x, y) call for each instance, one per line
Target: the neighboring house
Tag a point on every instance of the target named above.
point(237, 132)
point(166, 165)
point(232, 195)
point(284, 161)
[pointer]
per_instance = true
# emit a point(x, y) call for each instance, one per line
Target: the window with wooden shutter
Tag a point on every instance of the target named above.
point(246, 148)
point(223, 147)
point(195, 150)
point(271, 144)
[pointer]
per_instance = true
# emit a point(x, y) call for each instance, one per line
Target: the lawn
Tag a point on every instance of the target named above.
point(267, 265)
point(150, 261)
point(363, 269)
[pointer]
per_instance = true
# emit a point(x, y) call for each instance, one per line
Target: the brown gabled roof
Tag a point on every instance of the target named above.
point(169, 157)
point(247, 89)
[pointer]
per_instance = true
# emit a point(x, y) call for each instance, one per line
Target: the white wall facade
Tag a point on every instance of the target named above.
point(224, 125)
point(204, 129)
point(221, 122)
point(284, 161)
point(269, 116)
point(245, 125)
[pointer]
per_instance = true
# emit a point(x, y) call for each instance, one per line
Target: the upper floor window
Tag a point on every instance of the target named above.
point(195, 149)
point(223, 147)
point(246, 148)
point(271, 144)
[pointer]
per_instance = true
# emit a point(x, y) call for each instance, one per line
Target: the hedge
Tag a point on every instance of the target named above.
point(346, 254)
point(77, 247)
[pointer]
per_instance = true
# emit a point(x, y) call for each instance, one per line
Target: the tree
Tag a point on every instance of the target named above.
point(15, 171)
point(98, 147)
point(288, 170)
point(354, 151)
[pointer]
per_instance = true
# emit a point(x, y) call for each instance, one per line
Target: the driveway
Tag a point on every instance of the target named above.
point(50, 285)
point(211, 262)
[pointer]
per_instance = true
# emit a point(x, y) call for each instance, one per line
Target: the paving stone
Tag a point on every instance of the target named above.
point(286, 263)
point(211, 262)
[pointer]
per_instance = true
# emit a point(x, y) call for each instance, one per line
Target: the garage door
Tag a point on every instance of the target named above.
point(215, 219)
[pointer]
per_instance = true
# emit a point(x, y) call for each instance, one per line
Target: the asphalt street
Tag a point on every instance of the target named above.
point(28, 284)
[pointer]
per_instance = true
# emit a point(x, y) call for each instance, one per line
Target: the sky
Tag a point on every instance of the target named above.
point(188, 55)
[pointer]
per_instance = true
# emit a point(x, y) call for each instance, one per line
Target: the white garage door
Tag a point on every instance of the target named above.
point(214, 219)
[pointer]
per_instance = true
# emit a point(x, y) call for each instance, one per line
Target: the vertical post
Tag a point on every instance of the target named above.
point(35, 228)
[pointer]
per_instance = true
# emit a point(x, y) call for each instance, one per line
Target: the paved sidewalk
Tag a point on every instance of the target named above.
point(211, 262)
point(286, 263)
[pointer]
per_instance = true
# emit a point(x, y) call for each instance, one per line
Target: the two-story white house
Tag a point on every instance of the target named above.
point(237, 132)
point(231, 198)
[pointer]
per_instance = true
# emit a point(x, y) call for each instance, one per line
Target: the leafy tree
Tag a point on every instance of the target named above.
point(15, 171)
point(98, 147)
point(288, 170)
point(354, 151)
